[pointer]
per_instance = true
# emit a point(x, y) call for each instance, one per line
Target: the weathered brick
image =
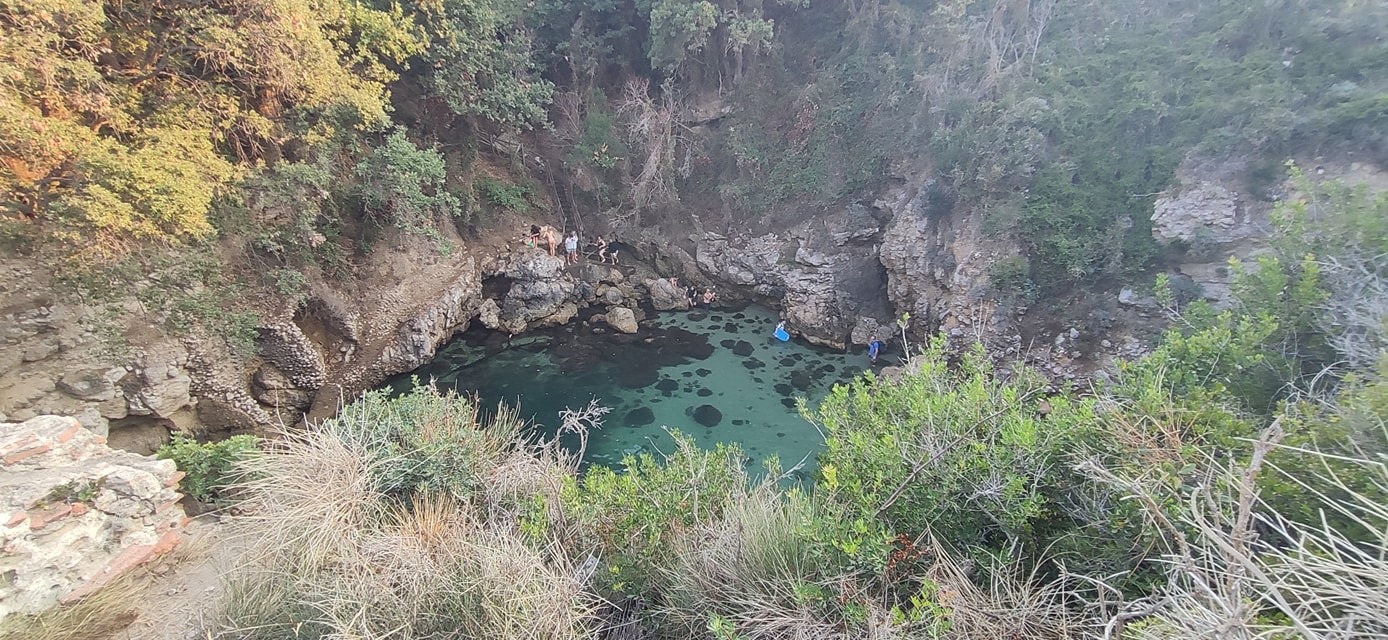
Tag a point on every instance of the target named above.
point(166, 506)
point(80, 509)
point(167, 542)
point(68, 435)
point(41, 518)
point(118, 566)
point(17, 518)
point(19, 455)
point(175, 479)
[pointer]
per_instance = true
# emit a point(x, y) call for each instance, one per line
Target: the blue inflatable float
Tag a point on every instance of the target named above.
point(781, 333)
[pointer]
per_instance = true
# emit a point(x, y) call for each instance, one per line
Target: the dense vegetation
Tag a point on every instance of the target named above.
point(1233, 479)
point(174, 122)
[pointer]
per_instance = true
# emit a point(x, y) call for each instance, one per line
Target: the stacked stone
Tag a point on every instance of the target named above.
point(76, 514)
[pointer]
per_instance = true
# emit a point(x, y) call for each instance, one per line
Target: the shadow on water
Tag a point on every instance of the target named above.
point(715, 376)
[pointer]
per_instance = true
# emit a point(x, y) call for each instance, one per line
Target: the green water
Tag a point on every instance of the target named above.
point(656, 381)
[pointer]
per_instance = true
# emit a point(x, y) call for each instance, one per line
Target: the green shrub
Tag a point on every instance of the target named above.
point(504, 194)
point(210, 467)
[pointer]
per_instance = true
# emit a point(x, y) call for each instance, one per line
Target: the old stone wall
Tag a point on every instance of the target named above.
point(76, 514)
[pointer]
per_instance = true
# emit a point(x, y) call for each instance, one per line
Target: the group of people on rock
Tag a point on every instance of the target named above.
point(549, 236)
point(693, 296)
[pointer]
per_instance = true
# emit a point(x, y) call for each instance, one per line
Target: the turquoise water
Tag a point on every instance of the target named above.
point(717, 376)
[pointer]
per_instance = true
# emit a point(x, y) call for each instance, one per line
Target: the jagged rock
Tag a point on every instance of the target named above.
point(272, 388)
point(621, 319)
point(666, 296)
point(612, 296)
point(489, 314)
point(75, 514)
point(1201, 213)
point(415, 340)
point(159, 391)
point(541, 294)
point(96, 385)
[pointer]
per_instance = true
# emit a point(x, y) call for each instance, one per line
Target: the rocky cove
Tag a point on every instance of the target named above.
point(836, 277)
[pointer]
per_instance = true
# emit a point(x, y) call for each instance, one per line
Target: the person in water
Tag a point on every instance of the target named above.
point(874, 349)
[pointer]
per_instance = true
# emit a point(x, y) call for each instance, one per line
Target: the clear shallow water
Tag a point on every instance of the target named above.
point(663, 377)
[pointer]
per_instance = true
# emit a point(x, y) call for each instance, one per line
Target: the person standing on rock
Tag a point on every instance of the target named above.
point(571, 248)
point(602, 249)
point(551, 238)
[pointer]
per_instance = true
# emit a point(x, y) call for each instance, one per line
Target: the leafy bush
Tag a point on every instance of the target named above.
point(515, 197)
point(632, 514)
point(210, 468)
point(402, 185)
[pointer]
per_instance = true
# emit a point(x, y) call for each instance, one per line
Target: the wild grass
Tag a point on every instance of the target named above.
point(1238, 569)
point(97, 616)
point(401, 520)
point(753, 568)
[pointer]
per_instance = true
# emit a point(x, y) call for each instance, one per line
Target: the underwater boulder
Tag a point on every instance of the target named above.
point(640, 417)
point(708, 415)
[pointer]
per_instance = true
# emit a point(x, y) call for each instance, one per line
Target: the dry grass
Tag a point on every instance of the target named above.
point(1013, 603)
point(99, 615)
point(1229, 579)
point(751, 568)
point(336, 557)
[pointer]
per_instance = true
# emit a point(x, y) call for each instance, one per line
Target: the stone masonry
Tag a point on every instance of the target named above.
point(76, 514)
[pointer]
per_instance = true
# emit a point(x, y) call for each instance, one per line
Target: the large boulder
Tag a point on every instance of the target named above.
point(666, 296)
point(622, 319)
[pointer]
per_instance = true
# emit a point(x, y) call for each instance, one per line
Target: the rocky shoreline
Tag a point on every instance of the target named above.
point(838, 278)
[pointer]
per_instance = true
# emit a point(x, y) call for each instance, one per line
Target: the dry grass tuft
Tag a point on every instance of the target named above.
point(751, 568)
point(1231, 578)
point(97, 616)
point(336, 555)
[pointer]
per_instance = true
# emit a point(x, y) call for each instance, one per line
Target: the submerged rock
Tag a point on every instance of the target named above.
point(707, 415)
point(743, 348)
point(639, 417)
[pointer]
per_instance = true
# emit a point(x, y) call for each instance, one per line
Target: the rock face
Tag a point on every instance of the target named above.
point(665, 296)
point(937, 270)
point(1201, 212)
point(541, 294)
point(824, 272)
point(75, 514)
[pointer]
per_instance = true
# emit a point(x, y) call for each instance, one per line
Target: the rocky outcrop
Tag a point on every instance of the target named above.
point(75, 514)
point(937, 269)
point(823, 273)
point(665, 295)
point(1203, 212)
point(541, 294)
